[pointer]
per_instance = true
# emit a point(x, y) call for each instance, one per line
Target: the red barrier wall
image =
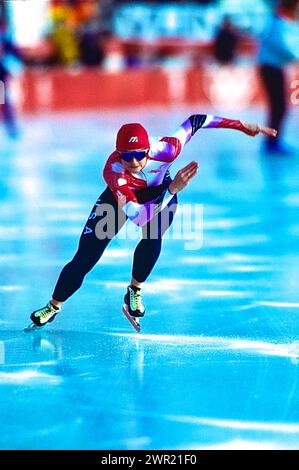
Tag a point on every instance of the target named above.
point(67, 90)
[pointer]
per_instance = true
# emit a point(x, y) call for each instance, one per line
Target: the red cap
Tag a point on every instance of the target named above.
point(132, 137)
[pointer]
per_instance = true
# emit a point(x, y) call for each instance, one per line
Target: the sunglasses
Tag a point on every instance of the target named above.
point(138, 154)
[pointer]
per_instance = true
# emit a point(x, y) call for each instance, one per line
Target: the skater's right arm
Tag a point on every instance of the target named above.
point(169, 148)
point(207, 121)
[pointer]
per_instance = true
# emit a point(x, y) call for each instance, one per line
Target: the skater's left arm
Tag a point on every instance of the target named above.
point(207, 121)
point(145, 212)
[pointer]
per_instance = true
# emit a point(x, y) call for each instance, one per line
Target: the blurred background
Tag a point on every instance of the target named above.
point(104, 53)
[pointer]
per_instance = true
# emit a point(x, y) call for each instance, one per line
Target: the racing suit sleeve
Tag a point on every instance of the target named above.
point(207, 121)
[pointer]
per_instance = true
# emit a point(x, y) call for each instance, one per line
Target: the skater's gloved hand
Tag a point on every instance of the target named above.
point(183, 177)
point(255, 129)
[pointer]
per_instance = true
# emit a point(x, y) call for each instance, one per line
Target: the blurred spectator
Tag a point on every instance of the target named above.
point(66, 48)
point(78, 31)
point(226, 42)
point(279, 46)
point(90, 43)
point(10, 62)
point(64, 39)
point(134, 55)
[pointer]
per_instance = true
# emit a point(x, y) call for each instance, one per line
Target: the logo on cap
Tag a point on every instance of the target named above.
point(132, 136)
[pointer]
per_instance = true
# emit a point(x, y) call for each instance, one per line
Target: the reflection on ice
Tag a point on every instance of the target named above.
point(225, 344)
point(240, 444)
point(279, 304)
point(228, 258)
point(11, 288)
point(228, 223)
point(222, 293)
point(25, 376)
point(212, 241)
point(287, 428)
point(249, 269)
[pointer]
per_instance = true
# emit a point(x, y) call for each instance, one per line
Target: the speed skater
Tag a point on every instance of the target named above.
point(139, 188)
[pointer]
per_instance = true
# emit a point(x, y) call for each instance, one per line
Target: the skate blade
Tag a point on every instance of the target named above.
point(32, 327)
point(133, 320)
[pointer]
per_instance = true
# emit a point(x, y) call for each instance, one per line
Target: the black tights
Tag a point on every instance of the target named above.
point(274, 82)
point(104, 222)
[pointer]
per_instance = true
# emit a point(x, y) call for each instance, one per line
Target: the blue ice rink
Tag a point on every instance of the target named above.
point(216, 363)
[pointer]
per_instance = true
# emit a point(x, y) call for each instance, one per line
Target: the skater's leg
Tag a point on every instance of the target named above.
point(146, 255)
point(275, 88)
point(56, 303)
point(135, 283)
point(93, 241)
point(92, 245)
point(72, 275)
point(148, 249)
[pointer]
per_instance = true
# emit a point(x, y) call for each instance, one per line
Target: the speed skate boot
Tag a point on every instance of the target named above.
point(133, 308)
point(42, 316)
